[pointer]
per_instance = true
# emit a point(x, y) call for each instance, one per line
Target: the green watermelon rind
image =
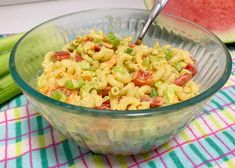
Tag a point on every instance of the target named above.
point(226, 37)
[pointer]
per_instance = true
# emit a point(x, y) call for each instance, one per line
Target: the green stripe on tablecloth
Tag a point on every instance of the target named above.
point(227, 96)
point(176, 159)
point(19, 162)
point(43, 153)
point(152, 164)
point(68, 153)
point(229, 137)
point(18, 139)
point(217, 105)
point(199, 154)
point(18, 131)
point(216, 148)
point(18, 101)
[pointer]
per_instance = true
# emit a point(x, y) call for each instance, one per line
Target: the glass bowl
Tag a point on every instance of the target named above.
point(120, 132)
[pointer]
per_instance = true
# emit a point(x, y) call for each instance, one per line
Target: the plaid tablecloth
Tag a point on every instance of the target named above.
point(28, 140)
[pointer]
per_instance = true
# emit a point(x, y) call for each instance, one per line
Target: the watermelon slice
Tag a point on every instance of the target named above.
point(216, 15)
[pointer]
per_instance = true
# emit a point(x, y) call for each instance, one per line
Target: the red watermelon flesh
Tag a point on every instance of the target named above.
point(216, 15)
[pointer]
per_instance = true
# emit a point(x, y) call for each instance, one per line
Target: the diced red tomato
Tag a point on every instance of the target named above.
point(191, 68)
point(59, 56)
point(105, 105)
point(145, 98)
point(105, 91)
point(88, 39)
point(180, 81)
point(142, 78)
point(67, 92)
point(78, 58)
point(156, 101)
point(132, 45)
point(97, 48)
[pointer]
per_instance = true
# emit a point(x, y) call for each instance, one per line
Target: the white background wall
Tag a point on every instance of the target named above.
point(22, 17)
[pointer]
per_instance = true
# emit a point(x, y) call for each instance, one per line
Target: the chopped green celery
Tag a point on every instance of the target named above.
point(179, 66)
point(69, 84)
point(79, 50)
point(158, 84)
point(168, 54)
point(79, 83)
point(153, 93)
point(146, 62)
point(113, 39)
point(169, 95)
point(97, 41)
point(84, 65)
point(8, 88)
point(153, 58)
point(120, 69)
point(4, 64)
point(128, 50)
point(59, 95)
point(7, 43)
point(72, 85)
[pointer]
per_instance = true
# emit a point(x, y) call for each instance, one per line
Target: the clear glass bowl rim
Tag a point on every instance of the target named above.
point(120, 113)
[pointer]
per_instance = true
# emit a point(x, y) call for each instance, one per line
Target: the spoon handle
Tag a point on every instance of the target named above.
point(158, 6)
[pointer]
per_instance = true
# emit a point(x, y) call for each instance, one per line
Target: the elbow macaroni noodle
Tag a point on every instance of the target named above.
point(100, 71)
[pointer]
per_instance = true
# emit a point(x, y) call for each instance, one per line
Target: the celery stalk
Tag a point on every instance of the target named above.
point(8, 88)
point(4, 61)
point(7, 43)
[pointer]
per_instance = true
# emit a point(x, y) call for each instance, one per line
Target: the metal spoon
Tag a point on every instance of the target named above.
point(157, 8)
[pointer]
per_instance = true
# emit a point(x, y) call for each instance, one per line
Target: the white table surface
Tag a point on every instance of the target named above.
point(23, 17)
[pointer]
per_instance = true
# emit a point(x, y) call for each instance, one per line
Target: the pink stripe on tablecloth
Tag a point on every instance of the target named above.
point(6, 143)
point(202, 145)
point(67, 162)
point(135, 161)
point(217, 158)
point(222, 117)
point(46, 147)
point(82, 157)
point(227, 87)
point(107, 161)
point(225, 105)
point(160, 157)
point(217, 136)
point(216, 113)
point(54, 146)
point(29, 134)
point(232, 79)
point(231, 91)
point(186, 155)
point(150, 157)
point(24, 134)
point(25, 117)
point(186, 142)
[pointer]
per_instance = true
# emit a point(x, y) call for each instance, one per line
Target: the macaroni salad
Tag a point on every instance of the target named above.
point(101, 71)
